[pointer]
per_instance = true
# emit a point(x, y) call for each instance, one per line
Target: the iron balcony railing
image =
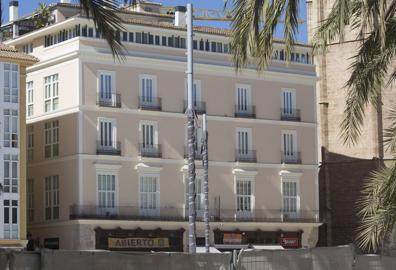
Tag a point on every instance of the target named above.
point(245, 111)
point(198, 154)
point(291, 157)
point(102, 148)
point(181, 214)
point(150, 103)
point(290, 114)
point(199, 106)
point(150, 150)
point(114, 101)
point(245, 155)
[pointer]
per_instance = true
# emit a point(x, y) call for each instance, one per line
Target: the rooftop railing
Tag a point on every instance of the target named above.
point(113, 100)
point(113, 149)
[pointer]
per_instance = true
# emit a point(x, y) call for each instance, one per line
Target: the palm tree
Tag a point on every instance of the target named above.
point(253, 27)
point(104, 15)
point(43, 15)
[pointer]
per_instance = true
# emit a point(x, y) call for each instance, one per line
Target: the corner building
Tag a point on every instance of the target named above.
point(108, 139)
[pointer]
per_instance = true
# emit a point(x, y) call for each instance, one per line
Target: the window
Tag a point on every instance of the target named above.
point(51, 139)
point(244, 141)
point(199, 198)
point(10, 219)
point(52, 197)
point(290, 196)
point(11, 78)
point(125, 36)
point(11, 173)
point(106, 85)
point(147, 88)
point(27, 48)
point(29, 200)
point(29, 89)
point(148, 136)
point(10, 128)
point(51, 100)
point(106, 192)
point(130, 36)
point(244, 195)
point(288, 102)
point(138, 37)
point(107, 133)
point(243, 98)
point(30, 142)
point(289, 144)
point(196, 93)
point(149, 194)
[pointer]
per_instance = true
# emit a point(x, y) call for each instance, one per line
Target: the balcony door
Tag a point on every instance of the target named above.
point(243, 141)
point(147, 89)
point(106, 194)
point(289, 145)
point(148, 136)
point(290, 198)
point(149, 195)
point(107, 133)
point(243, 98)
point(244, 198)
point(288, 102)
point(106, 86)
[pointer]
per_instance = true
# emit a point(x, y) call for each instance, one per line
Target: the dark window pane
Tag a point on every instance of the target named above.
point(130, 37)
point(170, 41)
point(207, 46)
point(14, 215)
point(7, 215)
point(151, 39)
point(177, 42)
point(213, 46)
point(84, 31)
point(163, 41)
point(145, 38)
point(124, 36)
point(157, 40)
point(201, 45)
point(138, 37)
point(183, 43)
point(90, 32)
point(195, 45)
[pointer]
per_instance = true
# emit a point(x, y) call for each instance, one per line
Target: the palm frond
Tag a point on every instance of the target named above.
point(377, 208)
point(107, 22)
point(369, 70)
point(390, 132)
point(253, 28)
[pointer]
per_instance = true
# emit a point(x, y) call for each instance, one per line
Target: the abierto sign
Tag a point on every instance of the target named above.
point(124, 243)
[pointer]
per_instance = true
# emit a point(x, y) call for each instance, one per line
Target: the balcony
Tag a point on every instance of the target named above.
point(113, 102)
point(245, 156)
point(290, 114)
point(198, 154)
point(150, 103)
point(181, 214)
point(150, 150)
point(245, 111)
point(199, 106)
point(291, 157)
point(114, 149)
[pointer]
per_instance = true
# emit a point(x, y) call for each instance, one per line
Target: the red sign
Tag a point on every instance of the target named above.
point(232, 238)
point(289, 242)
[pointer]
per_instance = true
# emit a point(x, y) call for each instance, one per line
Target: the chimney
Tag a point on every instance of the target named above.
point(180, 16)
point(13, 10)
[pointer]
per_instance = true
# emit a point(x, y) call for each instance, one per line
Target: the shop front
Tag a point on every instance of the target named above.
point(243, 239)
point(139, 240)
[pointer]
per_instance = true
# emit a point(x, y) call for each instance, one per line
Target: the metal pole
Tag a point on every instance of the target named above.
point(205, 163)
point(191, 136)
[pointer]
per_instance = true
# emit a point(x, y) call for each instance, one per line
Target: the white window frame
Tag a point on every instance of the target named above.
point(51, 131)
point(248, 96)
point(114, 131)
point(108, 169)
point(30, 98)
point(11, 142)
point(30, 199)
point(243, 175)
point(112, 75)
point(294, 101)
point(10, 93)
point(50, 95)
point(155, 130)
point(249, 138)
point(13, 186)
point(295, 178)
point(52, 194)
point(154, 86)
point(150, 212)
point(12, 228)
point(295, 146)
point(30, 143)
point(198, 91)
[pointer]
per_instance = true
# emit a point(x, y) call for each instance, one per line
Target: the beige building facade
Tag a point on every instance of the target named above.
point(107, 150)
point(13, 145)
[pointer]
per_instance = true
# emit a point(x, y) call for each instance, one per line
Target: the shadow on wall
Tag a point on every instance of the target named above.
point(340, 181)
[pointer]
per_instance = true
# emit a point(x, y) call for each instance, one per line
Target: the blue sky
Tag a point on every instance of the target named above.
point(27, 6)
